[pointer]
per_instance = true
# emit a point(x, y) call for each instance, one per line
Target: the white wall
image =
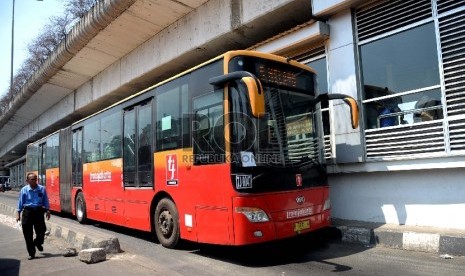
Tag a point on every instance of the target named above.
point(433, 197)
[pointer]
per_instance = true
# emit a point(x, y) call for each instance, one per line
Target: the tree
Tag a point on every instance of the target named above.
point(47, 41)
point(78, 8)
point(40, 48)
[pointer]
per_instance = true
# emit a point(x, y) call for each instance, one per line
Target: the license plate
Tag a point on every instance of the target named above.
point(301, 225)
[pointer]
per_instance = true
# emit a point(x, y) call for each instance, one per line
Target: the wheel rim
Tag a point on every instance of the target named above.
point(165, 223)
point(79, 211)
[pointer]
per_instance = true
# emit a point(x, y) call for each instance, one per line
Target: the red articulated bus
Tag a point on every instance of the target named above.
point(229, 152)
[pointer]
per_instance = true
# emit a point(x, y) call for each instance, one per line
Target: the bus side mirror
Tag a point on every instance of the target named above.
point(351, 102)
point(256, 96)
point(353, 111)
point(254, 89)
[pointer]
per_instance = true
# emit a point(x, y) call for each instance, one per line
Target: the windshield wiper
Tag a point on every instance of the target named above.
point(308, 163)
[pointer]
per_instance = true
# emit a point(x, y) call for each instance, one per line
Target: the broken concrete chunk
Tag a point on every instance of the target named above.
point(70, 252)
point(92, 255)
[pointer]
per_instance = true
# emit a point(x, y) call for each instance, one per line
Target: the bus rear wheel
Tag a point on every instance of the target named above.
point(166, 221)
point(81, 212)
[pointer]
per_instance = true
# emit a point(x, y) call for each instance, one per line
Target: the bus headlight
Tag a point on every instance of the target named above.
point(253, 214)
point(327, 204)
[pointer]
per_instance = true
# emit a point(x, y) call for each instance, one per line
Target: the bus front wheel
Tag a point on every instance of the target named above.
point(166, 221)
point(81, 213)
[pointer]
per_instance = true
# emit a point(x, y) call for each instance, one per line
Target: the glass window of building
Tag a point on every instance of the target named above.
point(401, 81)
point(411, 72)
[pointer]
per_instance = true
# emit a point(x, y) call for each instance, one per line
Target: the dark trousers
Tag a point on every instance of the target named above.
point(33, 219)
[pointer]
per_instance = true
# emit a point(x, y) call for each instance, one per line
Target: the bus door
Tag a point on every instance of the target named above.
point(66, 148)
point(52, 172)
point(137, 161)
point(42, 166)
point(76, 168)
point(77, 158)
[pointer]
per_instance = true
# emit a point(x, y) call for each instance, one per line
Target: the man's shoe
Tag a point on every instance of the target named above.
point(31, 257)
point(40, 247)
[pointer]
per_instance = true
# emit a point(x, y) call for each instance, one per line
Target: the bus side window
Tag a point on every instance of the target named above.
point(171, 102)
point(110, 136)
point(208, 129)
point(92, 141)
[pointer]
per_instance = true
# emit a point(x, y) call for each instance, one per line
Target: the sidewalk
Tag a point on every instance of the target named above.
point(78, 236)
point(14, 262)
point(415, 238)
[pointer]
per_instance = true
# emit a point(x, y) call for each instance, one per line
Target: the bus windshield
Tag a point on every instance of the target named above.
point(286, 137)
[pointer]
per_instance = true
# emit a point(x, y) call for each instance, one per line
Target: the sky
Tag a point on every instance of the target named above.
point(30, 17)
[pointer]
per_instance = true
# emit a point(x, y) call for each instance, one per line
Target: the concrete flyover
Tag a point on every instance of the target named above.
point(124, 46)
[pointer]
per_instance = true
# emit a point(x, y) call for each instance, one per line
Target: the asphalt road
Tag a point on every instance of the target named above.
point(305, 256)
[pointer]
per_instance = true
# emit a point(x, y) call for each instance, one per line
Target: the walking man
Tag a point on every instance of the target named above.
point(33, 203)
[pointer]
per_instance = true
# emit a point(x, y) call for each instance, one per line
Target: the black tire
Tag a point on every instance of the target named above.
point(81, 211)
point(166, 220)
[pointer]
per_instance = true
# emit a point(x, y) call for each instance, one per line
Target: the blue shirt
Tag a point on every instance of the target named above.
point(34, 198)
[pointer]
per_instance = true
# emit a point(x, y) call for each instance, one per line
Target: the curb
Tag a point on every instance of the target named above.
point(75, 235)
point(423, 239)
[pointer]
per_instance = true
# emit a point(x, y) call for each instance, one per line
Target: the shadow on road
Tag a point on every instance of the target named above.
point(313, 247)
point(10, 267)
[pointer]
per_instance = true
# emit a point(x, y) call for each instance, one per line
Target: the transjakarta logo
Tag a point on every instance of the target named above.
point(171, 169)
point(100, 177)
